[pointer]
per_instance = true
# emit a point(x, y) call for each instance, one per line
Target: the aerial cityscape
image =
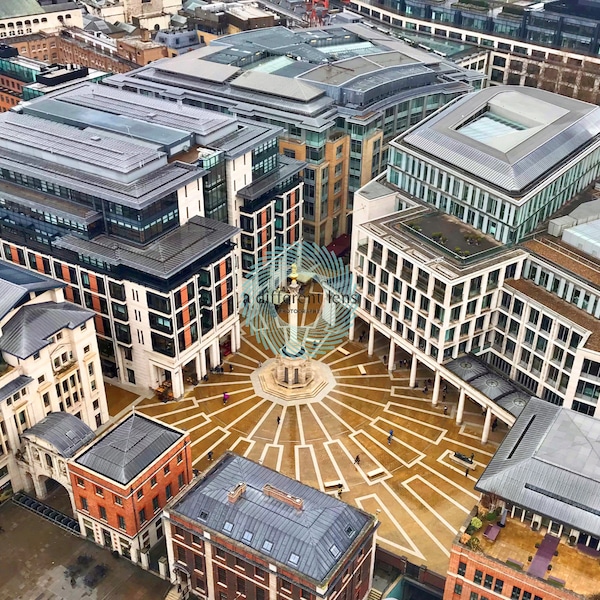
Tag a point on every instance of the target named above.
point(299, 299)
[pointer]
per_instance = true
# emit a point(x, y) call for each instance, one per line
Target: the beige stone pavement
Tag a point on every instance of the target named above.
point(420, 496)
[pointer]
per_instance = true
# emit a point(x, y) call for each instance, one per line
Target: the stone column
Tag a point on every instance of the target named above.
point(413, 370)
point(436, 389)
point(486, 426)
point(351, 330)
point(203, 370)
point(145, 559)
point(371, 345)
point(461, 407)
point(177, 383)
point(215, 354)
point(392, 355)
point(163, 567)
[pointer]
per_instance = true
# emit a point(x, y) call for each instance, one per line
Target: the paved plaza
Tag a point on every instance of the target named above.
point(34, 555)
point(419, 493)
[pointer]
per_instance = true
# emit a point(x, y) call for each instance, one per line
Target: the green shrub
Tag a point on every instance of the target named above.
point(476, 523)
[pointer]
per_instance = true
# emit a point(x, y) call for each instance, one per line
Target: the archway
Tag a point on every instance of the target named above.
point(56, 495)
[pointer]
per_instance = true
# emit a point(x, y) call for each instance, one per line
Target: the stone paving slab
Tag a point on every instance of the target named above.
point(34, 555)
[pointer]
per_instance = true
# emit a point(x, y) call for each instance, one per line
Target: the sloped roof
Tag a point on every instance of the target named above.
point(277, 85)
point(64, 431)
point(311, 541)
point(13, 386)
point(28, 330)
point(550, 463)
point(16, 283)
point(20, 8)
point(549, 129)
point(125, 451)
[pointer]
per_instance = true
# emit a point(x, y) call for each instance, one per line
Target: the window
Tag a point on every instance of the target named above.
point(142, 515)
point(180, 480)
point(155, 504)
point(259, 573)
point(197, 562)
point(102, 512)
point(247, 537)
point(152, 481)
point(487, 583)
point(118, 501)
point(478, 577)
point(219, 552)
point(498, 586)
point(458, 588)
point(179, 457)
point(241, 585)
point(181, 554)
point(80, 482)
point(140, 494)
point(166, 470)
point(462, 568)
point(168, 492)
point(84, 503)
point(516, 593)
point(221, 575)
point(122, 523)
point(294, 559)
point(267, 546)
point(99, 491)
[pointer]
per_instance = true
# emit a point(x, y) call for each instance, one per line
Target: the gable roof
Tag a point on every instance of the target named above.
point(312, 541)
point(28, 330)
point(16, 283)
point(550, 463)
point(126, 450)
point(64, 431)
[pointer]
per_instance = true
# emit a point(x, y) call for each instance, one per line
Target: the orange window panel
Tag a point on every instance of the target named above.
point(224, 310)
point(187, 335)
point(222, 270)
point(184, 295)
point(69, 293)
point(186, 315)
point(93, 283)
point(65, 272)
point(223, 289)
point(39, 263)
point(14, 255)
point(99, 324)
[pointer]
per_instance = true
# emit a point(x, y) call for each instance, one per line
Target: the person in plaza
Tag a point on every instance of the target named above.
point(494, 423)
point(357, 460)
point(445, 409)
point(390, 437)
point(210, 455)
point(230, 368)
point(467, 472)
point(278, 420)
point(225, 397)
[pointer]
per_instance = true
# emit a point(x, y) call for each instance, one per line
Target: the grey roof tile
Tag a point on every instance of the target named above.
point(125, 451)
point(28, 330)
point(14, 386)
point(64, 431)
point(550, 463)
point(309, 532)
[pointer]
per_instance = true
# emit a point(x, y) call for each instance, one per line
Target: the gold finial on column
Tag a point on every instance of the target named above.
point(294, 274)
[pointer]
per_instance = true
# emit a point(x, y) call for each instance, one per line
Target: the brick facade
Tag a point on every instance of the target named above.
point(218, 568)
point(497, 580)
point(129, 510)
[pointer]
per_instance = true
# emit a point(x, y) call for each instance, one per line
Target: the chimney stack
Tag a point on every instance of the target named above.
point(273, 492)
point(236, 493)
point(145, 35)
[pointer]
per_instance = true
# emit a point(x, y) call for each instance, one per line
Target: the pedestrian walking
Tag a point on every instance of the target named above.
point(425, 389)
point(443, 395)
point(445, 409)
point(278, 420)
point(230, 368)
point(467, 472)
point(445, 388)
point(361, 337)
point(210, 455)
point(385, 358)
point(494, 423)
point(472, 456)
point(225, 397)
point(390, 437)
point(259, 365)
point(357, 460)
point(339, 494)
point(205, 377)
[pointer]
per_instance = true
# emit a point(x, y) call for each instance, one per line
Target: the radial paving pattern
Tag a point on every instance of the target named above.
point(419, 493)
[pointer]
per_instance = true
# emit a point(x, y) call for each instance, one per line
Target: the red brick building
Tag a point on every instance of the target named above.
point(246, 531)
point(123, 480)
point(537, 536)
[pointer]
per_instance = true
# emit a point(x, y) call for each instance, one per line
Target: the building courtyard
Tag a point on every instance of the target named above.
point(418, 492)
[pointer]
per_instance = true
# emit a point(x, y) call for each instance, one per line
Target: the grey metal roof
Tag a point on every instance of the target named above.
point(127, 449)
point(566, 126)
point(162, 258)
point(549, 463)
point(28, 330)
point(276, 85)
point(20, 8)
point(319, 535)
point(287, 168)
point(64, 431)
point(17, 283)
point(14, 386)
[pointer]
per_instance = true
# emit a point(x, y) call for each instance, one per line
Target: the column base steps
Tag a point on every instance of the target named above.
point(374, 594)
point(173, 594)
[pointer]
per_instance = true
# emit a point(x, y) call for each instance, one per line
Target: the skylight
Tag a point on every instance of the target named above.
point(350, 531)
point(247, 537)
point(294, 558)
point(335, 551)
point(203, 515)
point(267, 546)
point(228, 527)
point(489, 125)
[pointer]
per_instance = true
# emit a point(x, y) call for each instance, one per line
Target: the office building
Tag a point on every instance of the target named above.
point(143, 224)
point(21, 17)
point(245, 529)
point(23, 78)
point(567, 67)
point(502, 160)
point(499, 321)
point(339, 93)
point(541, 531)
point(49, 364)
point(122, 481)
point(146, 14)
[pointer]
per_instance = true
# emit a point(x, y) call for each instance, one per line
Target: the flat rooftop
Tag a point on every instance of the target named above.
point(506, 136)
